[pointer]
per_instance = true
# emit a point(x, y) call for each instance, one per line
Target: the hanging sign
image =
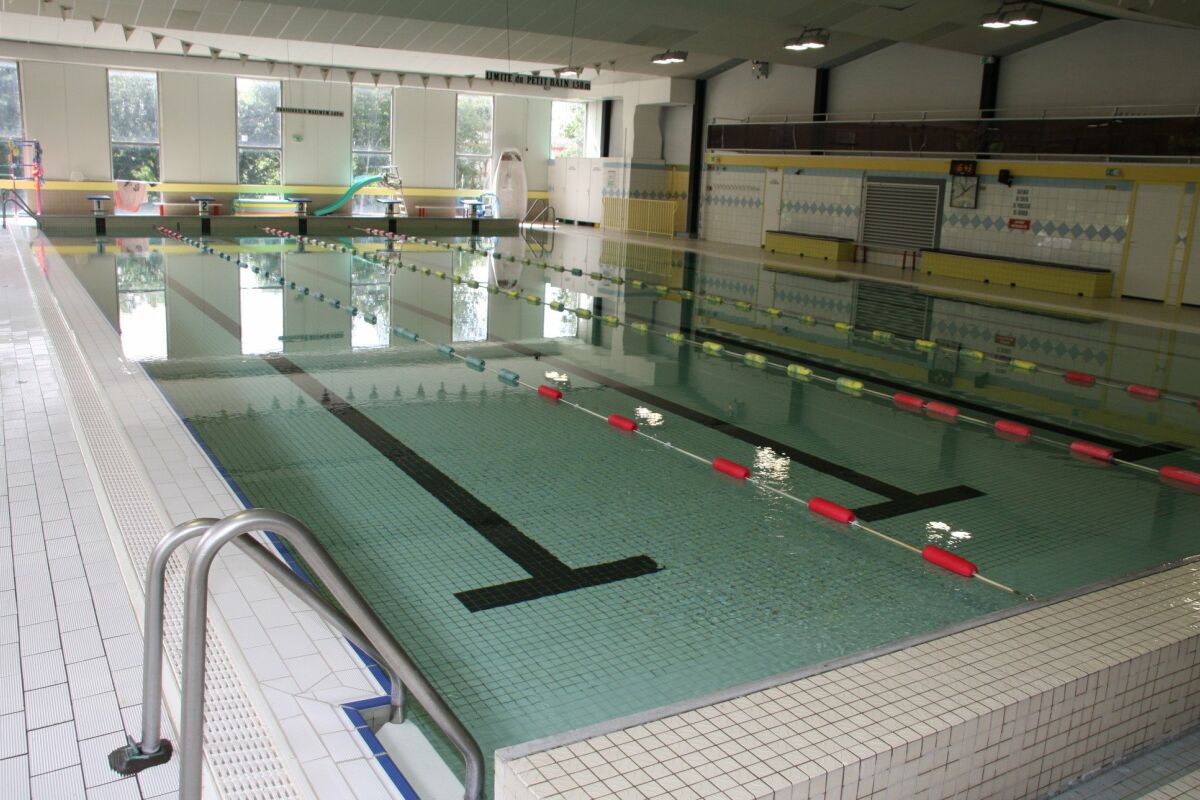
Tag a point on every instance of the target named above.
point(537, 80)
point(319, 112)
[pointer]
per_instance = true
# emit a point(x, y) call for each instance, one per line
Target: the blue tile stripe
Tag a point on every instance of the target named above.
point(1075, 230)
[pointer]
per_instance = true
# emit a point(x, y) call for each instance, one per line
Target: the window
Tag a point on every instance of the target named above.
point(10, 101)
point(133, 125)
point(567, 123)
point(370, 138)
point(371, 126)
point(473, 142)
point(260, 142)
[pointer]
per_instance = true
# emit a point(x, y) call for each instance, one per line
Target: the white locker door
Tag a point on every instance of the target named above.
point(1152, 242)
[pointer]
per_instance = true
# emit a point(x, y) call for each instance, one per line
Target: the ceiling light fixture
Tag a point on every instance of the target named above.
point(571, 71)
point(670, 57)
point(810, 39)
point(1021, 14)
point(1028, 14)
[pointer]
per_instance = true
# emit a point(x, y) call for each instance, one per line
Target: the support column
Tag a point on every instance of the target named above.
point(820, 108)
point(696, 160)
point(990, 86)
point(606, 112)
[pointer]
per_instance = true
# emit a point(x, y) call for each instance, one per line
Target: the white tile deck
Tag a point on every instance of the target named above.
point(81, 519)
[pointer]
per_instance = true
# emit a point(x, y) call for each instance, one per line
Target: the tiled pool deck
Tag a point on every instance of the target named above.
point(1018, 707)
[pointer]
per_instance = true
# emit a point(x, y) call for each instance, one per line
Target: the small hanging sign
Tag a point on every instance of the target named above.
point(537, 80)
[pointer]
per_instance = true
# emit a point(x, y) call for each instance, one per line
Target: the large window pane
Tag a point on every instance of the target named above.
point(132, 162)
point(258, 121)
point(473, 131)
point(371, 119)
point(258, 166)
point(10, 100)
point(133, 106)
point(370, 163)
point(472, 172)
point(567, 121)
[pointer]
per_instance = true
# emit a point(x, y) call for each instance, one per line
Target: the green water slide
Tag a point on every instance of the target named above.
point(341, 201)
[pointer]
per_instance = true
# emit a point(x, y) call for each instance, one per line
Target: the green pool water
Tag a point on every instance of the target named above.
point(549, 572)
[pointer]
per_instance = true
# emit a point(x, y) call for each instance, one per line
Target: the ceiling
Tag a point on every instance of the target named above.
point(619, 35)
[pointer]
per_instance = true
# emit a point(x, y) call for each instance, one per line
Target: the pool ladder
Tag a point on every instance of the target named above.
point(358, 623)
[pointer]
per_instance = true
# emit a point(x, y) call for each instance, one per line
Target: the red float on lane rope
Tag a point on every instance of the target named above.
point(909, 402)
point(1089, 450)
point(1012, 430)
point(1179, 474)
point(947, 560)
point(943, 410)
point(1079, 378)
point(731, 468)
point(828, 508)
point(551, 392)
point(624, 423)
point(1145, 392)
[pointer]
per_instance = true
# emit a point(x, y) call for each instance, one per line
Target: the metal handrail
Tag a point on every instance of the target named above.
point(365, 630)
point(546, 209)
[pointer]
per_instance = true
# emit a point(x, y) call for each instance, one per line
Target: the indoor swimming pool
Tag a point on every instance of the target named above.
point(550, 571)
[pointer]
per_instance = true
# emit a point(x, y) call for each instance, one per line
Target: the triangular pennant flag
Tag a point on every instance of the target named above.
point(446, 78)
point(351, 74)
point(271, 67)
point(400, 76)
point(297, 68)
point(324, 73)
point(425, 81)
point(187, 46)
point(242, 57)
point(214, 52)
point(157, 39)
point(96, 23)
point(128, 31)
point(375, 76)
point(470, 81)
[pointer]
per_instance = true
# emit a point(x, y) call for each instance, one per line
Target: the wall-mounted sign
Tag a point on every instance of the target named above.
point(1016, 224)
point(1005, 340)
point(317, 112)
point(537, 80)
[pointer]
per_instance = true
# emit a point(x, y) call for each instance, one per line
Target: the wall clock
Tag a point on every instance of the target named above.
point(964, 184)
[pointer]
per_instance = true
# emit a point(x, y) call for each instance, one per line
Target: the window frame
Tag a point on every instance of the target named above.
point(20, 98)
point(239, 148)
point(113, 143)
point(486, 159)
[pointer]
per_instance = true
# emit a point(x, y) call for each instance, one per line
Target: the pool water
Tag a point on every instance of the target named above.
point(548, 571)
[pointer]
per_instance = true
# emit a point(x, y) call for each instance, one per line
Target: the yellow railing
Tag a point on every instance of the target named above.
point(634, 214)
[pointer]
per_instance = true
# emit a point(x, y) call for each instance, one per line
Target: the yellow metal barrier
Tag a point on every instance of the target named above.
point(635, 214)
point(810, 246)
point(998, 271)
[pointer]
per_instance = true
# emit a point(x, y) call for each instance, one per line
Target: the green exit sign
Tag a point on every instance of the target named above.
point(1112, 172)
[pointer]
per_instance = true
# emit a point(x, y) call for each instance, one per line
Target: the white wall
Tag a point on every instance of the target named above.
point(316, 149)
point(199, 119)
point(1113, 63)
point(66, 108)
point(907, 77)
point(676, 124)
point(423, 137)
point(524, 123)
point(737, 93)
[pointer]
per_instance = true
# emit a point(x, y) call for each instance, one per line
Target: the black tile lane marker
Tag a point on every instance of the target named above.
point(548, 575)
point(899, 501)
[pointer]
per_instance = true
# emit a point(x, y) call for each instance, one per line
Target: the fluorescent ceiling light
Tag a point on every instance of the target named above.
point(670, 57)
point(571, 72)
point(1028, 15)
point(994, 20)
point(811, 39)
